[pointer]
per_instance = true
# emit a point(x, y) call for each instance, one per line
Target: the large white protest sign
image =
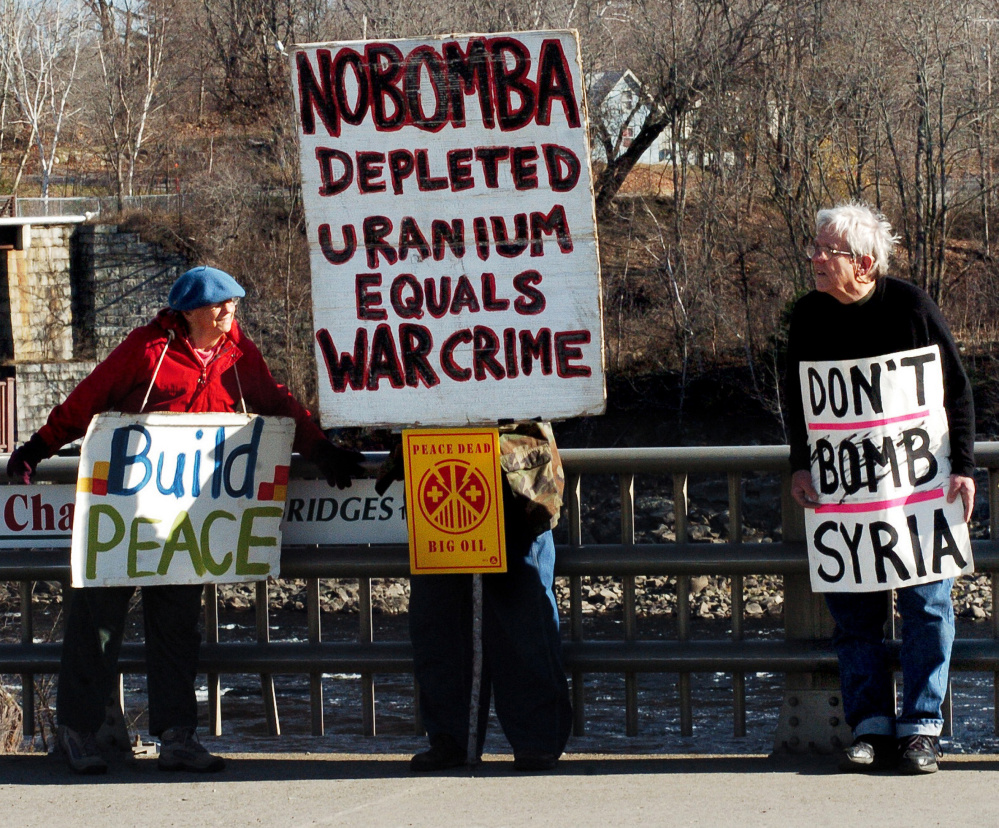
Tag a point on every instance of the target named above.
point(880, 461)
point(180, 498)
point(448, 194)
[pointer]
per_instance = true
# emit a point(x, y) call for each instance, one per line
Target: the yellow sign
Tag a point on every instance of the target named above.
point(455, 501)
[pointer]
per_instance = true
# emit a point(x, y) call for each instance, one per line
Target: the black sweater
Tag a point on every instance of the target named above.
point(897, 316)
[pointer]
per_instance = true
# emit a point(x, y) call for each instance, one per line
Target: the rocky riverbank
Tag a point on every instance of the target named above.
point(710, 597)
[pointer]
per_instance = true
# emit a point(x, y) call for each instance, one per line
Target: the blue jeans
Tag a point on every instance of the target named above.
point(864, 664)
point(522, 660)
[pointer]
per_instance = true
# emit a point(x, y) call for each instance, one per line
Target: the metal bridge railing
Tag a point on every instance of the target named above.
point(805, 653)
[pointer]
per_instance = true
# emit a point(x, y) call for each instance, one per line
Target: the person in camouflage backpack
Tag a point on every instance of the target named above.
point(521, 648)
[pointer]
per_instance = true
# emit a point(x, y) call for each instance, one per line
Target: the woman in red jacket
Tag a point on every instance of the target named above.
point(192, 357)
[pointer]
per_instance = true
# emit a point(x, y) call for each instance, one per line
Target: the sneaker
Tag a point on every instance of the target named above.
point(919, 754)
point(534, 761)
point(180, 750)
point(869, 752)
point(445, 753)
point(81, 751)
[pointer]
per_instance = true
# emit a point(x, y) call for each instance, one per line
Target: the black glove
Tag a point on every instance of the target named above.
point(24, 460)
point(391, 470)
point(337, 465)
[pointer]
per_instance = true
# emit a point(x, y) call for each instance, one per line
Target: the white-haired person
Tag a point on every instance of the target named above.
point(191, 357)
point(857, 311)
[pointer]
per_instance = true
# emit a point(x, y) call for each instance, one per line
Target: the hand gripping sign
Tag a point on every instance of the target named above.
point(173, 498)
point(880, 461)
point(447, 188)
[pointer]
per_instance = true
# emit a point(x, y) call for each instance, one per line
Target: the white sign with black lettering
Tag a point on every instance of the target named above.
point(880, 461)
point(449, 199)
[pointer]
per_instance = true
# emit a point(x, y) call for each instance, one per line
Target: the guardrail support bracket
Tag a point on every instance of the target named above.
point(811, 721)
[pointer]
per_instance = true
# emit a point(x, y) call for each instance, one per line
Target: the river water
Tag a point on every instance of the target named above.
point(245, 727)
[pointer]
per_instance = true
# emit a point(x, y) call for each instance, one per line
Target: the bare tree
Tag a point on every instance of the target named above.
point(680, 46)
point(929, 131)
point(246, 40)
point(130, 44)
point(40, 46)
point(13, 140)
point(979, 70)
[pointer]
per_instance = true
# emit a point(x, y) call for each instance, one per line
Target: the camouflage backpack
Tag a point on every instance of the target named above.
point(533, 469)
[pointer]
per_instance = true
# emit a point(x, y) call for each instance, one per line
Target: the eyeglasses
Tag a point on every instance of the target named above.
point(812, 249)
point(234, 301)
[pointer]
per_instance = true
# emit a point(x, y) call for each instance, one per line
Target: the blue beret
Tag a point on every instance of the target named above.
point(202, 286)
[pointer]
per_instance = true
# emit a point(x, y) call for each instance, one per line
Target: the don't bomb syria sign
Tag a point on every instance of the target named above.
point(453, 247)
point(180, 498)
point(880, 458)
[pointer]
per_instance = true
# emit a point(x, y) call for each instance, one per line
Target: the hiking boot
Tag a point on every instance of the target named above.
point(81, 751)
point(444, 753)
point(869, 752)
point(919, 754)
point(180, 750)
point(534, 761)
point(112, 736)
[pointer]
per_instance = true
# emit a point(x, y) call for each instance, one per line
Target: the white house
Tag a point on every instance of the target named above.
point(618, 108)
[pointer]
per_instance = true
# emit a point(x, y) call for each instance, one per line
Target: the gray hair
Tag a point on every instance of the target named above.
point(865, 231)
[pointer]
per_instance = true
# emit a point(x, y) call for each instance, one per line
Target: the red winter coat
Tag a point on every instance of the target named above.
point(120, 382)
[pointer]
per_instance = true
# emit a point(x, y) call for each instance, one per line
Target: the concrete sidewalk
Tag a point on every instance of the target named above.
point(585, 790)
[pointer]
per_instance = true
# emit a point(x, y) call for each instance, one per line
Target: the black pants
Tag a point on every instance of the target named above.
point(522, 655)
point(92, 642)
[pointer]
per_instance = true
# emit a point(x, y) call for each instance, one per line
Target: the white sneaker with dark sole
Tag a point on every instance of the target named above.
point(180, 750)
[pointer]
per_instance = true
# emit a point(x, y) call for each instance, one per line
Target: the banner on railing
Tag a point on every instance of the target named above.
point(880, 461)
point(316, 514)
point(170, 498)
point(36, 516)
point(449, 200)
point(41, 515)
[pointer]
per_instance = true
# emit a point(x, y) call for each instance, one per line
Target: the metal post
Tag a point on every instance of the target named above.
point(994, 578)
point(680, 507)
point(27, 679)
point(627, 484)
point(366, 637)
point(735, 536)
point(811, 716)
point(472, 748)
point(266, 679)
point(316, 701)
point(211, 596)
point(572, 490)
